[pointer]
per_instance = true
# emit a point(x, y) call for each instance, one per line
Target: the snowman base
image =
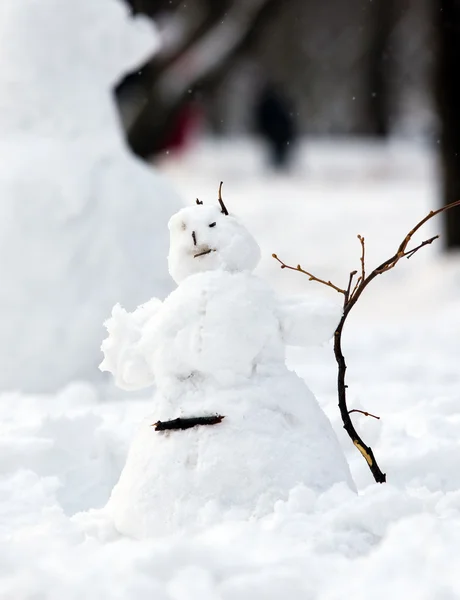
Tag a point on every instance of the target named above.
point(187, 423)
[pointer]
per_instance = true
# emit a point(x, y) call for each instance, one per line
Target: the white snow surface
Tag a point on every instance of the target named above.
point(216, 346)
point(82, 222)
point(61, 455)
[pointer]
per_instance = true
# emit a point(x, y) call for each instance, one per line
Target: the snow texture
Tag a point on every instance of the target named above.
point(215, 347)
point(237, 250)
point(82, 222)
point(61, 455)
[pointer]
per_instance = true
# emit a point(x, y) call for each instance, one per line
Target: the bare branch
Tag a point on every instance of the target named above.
point(311, 277)
point(363, 412)
point(429, 216)
point(363, 250)
point(349, 301)
point(357, 284)
point(410, 253)
point(363, 270)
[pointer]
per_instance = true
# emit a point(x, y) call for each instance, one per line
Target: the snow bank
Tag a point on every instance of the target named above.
point(83, 224)
point(324, 547)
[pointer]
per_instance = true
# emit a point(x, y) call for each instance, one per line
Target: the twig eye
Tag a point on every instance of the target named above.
point(212, 224)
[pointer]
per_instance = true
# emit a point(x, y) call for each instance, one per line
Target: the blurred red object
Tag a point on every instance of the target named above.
point(182, 131)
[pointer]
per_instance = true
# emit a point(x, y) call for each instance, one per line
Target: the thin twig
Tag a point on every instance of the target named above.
point(349, 301)
point(363, 250)
point(358, 281)
point(393, 261)
point(429, 216)
point(363, 412)
point(221, 202)
point(347, 293)
point(410, 253)
point(311, 277)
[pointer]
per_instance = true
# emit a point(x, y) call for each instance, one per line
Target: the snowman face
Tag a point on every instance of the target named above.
point(202, 238)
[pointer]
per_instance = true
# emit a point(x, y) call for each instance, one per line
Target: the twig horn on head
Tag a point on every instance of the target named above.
point(221, 202)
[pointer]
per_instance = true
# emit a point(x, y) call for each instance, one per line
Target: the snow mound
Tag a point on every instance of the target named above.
point(58, 61)
point(60, 452)
point(82, 222)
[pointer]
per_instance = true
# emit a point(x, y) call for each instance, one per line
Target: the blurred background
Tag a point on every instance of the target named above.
point(289, 70)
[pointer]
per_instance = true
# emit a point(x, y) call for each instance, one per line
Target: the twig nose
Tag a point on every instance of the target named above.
point(194, 238)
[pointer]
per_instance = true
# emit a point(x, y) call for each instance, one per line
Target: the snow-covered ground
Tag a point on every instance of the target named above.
point(60, 455)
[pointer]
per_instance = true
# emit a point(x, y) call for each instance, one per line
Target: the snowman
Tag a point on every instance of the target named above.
point(76, 207)
point(232, 430)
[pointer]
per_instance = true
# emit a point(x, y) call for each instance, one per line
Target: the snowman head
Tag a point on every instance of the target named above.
point(207, 238)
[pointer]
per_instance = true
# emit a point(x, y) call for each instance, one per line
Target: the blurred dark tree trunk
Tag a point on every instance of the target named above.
point(151, 7)
point(378, 89)
point(447, 87)
point(157, 109)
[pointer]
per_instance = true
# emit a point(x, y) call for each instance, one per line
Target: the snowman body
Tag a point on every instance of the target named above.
point(215, 346)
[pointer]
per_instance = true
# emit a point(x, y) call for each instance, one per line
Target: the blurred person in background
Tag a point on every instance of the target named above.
point(274, 121)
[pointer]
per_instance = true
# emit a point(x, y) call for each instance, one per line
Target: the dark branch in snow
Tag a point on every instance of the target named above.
point(350, 299)
point(187, 423)
point(199, 202)
point(221, 202)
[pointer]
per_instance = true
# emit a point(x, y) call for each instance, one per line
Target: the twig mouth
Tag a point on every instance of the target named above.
point(203, 253)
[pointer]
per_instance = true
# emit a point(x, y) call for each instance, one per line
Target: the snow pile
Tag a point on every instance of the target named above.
point(216, 346)
point(63, 454)
point(82, 222)
point(328, 546)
